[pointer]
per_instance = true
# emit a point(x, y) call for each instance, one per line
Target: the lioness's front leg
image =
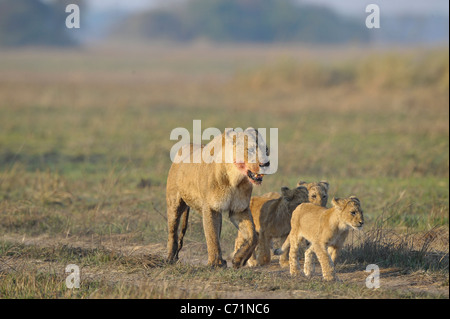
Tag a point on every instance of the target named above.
point(244, 223)
point(212, 224)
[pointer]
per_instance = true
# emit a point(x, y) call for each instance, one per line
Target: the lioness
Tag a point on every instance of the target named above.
point(325, 229)
point(223, 184)
point(272, 220)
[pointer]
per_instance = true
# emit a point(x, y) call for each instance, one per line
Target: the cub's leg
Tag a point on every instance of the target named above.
point(325, 262)
point(334, 252)
point(212, 224)
point(263, 249)
point(336, 248)
point(309, 267)
point(294, 264)
point(175, 208)
point(238, 243)
point(252, 261)
point(284, 258)
point(244, 223)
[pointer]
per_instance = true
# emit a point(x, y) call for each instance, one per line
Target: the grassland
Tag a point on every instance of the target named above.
point(84, 154)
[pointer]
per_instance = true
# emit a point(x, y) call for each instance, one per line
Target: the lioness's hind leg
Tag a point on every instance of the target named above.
point(184, 225)
point(174, 211)
point(244, 222)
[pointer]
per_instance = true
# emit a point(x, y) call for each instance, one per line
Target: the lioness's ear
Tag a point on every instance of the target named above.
point(301, 183)
point(325, 184)
point(337, 202)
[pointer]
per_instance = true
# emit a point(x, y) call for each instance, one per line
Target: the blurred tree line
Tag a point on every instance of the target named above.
point(42, 22)
point(35, 22)
point(245, 21)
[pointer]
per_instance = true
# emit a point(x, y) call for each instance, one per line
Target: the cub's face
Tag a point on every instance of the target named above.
point(317, 192)
point(294, 197)
point(350, 211)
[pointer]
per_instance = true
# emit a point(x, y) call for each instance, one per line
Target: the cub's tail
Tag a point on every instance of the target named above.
point(284, 247)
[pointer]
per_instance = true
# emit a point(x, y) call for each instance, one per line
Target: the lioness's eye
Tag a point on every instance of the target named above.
point(353, 213)
point(313, 196)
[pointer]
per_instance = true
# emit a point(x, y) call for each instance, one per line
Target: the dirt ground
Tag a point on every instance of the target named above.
point(195, 254)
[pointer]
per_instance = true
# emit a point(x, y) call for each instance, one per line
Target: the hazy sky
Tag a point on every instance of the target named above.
point(353, 7)
point(387, 6)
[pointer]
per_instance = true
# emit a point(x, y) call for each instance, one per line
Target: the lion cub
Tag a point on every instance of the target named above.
point(272, 220)
point(317, 192)
point(326, 230)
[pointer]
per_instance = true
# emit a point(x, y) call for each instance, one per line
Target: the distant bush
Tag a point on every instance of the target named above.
point(260, 21)
point(381, 71)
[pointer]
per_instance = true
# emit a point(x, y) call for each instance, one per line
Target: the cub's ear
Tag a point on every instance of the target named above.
point(301, 183)
point(286, 193)
point(325, 184)
point(338, 202)
point(302, 188)
point(302, 192)
point(355, 199)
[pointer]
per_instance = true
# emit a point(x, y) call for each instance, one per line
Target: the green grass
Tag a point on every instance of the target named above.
point(79, 132)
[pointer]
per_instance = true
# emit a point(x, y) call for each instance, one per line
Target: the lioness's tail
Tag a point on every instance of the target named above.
point(284, 247)
point(184, 223)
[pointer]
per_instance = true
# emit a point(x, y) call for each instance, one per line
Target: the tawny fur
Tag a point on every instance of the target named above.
point(317, 192)
point(272, 220)
point(212, 189)
point(326, 230)
point(270, 228)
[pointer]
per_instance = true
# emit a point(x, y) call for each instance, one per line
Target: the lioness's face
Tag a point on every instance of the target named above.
point(250, 155)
